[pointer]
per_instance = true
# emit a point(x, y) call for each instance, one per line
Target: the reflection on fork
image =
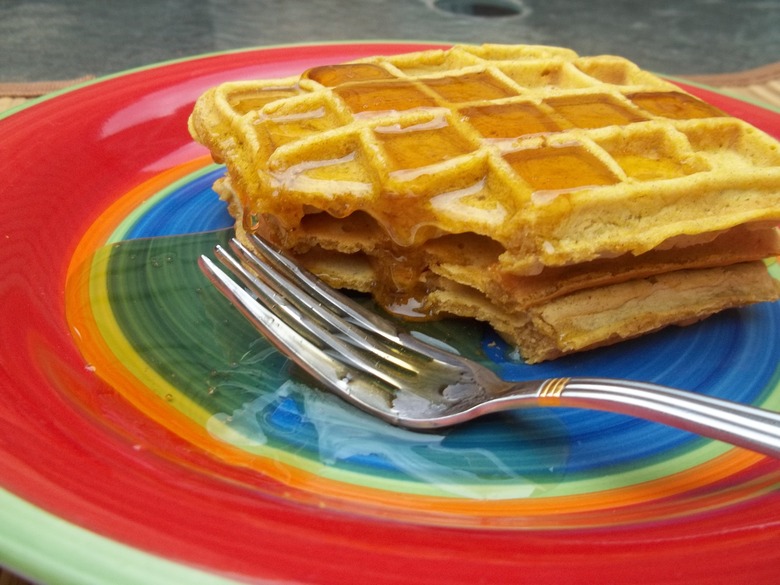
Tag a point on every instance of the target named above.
point(386, 371)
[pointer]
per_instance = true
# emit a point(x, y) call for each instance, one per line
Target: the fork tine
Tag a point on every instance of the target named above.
point(352, 312)
point(322, 366)
point(287, 340)
point(279, 310)
point(325, 293)
point(308, 304)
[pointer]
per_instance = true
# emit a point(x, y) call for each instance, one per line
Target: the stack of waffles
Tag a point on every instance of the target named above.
point(570, 202)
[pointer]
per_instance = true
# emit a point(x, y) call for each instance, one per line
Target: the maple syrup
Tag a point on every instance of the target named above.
point(421, 145)
point(559, 168)
point(288, 128)
point(646, 168)
point(593, 111)
point(250, 100)
point(674, 105)
point(333, 75)
point(383, 96)
point(509, 120)
point(470, 87)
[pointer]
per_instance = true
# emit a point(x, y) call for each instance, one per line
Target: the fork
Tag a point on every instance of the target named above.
point(417, 384)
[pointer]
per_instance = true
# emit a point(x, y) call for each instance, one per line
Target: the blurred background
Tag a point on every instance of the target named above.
point(60, 39)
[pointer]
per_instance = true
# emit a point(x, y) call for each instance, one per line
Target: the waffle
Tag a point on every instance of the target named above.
point(526, 186)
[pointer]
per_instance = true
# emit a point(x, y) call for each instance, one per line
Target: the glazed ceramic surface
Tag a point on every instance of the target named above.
point(148, 435)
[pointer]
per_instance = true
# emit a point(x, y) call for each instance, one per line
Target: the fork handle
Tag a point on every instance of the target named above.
point(738, 424)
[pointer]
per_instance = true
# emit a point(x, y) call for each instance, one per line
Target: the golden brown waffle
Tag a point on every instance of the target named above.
point(567, 309)
point(531, 165)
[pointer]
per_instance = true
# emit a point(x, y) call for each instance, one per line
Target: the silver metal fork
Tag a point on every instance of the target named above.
point(409, 382)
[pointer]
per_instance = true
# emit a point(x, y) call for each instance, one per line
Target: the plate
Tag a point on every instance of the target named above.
point(148, 436)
